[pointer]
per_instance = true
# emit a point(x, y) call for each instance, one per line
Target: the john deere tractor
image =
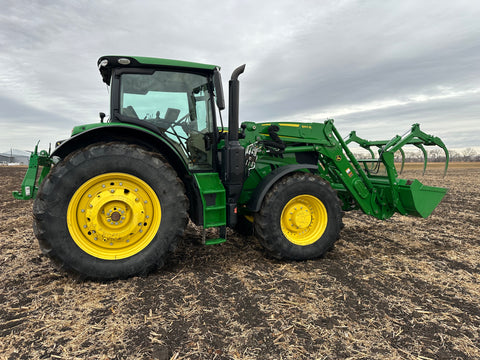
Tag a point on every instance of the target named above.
point(112, 200)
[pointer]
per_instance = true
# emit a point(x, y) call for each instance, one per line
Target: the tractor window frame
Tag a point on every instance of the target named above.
point(209, 131)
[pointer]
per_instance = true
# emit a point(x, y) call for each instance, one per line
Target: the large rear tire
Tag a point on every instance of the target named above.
point(110, 211)
point(300, 218)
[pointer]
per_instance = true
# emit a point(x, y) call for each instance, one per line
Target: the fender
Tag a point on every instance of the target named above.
point(146, 138)
point(121, 132)
point(268, 181)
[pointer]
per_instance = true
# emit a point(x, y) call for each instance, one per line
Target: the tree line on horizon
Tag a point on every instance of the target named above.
point(434, 155)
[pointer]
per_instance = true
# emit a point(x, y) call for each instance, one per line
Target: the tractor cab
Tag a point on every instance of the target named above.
point(174, 99)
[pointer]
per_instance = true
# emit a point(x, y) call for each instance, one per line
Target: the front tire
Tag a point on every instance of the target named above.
point(110, 211)
point(300, 218)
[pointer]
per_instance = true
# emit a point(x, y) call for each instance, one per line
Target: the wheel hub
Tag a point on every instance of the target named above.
point(113, 216)
point(299, 216)
point(303, 220)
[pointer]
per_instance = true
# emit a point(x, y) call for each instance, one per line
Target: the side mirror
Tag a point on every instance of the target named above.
point(217, 82)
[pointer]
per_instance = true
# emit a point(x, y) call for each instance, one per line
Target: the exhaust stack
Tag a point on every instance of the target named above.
point(233, 100)
point(233, 154)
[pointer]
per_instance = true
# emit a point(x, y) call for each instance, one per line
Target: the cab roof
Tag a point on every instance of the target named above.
point(108, 62)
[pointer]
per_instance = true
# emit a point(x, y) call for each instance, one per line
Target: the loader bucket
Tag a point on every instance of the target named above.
point(418, 199)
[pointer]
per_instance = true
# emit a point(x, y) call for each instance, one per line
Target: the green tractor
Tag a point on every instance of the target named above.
point(112, 200)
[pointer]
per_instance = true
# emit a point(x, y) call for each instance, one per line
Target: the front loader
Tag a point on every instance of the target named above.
point(114, 198)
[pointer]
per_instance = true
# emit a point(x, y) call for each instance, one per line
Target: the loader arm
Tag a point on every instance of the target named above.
point(358, 185)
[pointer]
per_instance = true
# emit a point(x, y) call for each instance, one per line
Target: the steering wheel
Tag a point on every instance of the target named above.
point(184, 123)
point(182, 119)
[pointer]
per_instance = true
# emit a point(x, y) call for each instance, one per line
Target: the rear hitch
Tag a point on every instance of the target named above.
point(29, 188)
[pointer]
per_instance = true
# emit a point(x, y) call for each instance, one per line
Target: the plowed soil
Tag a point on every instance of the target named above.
point(404, 288)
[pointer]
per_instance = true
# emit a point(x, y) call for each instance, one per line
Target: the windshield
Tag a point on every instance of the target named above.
point(178, 104)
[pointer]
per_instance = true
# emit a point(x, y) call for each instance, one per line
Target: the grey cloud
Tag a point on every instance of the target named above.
point(303, 57)
point(21, 126)
point(454, 120)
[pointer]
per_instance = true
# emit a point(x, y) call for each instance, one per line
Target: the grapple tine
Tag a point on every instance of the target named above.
point(414, 136)
point(425, 156)
point(434, 140)
point(447, 156)
point(370, 151)
point(403, 159)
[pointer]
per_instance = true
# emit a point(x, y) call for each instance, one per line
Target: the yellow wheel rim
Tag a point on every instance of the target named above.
point(113, 216)
point(249, 218)
point(304, 220)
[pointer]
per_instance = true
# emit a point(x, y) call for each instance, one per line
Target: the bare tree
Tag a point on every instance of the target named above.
point(455, 155)
point(469, 154)
point(436, 155)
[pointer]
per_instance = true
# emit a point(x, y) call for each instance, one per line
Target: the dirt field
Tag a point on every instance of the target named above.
point(405, 288)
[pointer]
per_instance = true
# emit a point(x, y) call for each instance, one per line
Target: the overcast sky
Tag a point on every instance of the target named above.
point(374, 66)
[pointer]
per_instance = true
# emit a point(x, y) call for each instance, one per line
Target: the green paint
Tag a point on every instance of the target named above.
point(215, 241)
point(173, 63)
point(29, 188)
point(357, 186)
point(213, 199)
point(358, 183)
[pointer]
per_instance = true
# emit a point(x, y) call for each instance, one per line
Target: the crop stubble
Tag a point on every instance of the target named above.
point(404, 288)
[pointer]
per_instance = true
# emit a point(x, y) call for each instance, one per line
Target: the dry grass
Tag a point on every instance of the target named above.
point(405, 288)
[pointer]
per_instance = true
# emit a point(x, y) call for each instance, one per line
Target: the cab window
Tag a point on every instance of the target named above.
point(178, 104)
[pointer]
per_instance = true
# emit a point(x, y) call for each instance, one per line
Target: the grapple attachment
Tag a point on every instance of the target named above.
point(389, 194)
point(414, 136)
